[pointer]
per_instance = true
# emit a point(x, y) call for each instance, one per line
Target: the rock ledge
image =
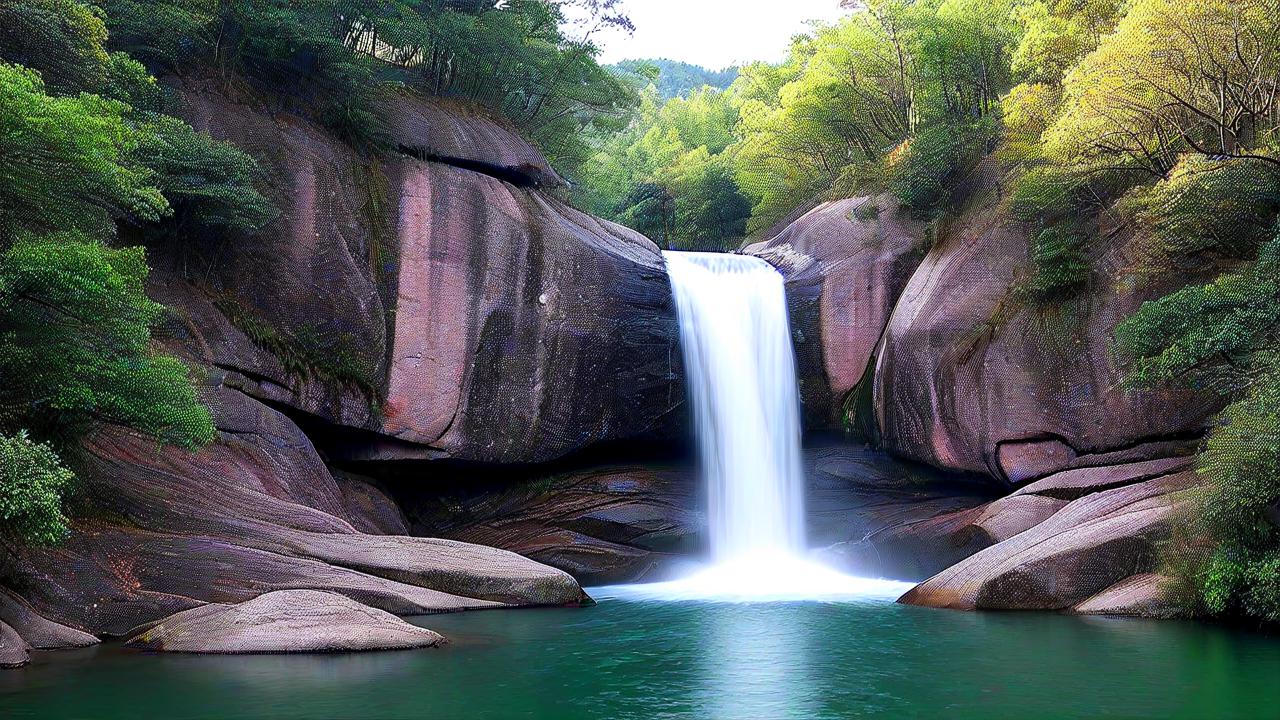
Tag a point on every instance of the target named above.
point(288, 621)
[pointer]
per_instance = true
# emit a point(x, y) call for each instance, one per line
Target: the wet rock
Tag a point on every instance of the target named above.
point(297, 621)
point(629, 523)
point(602, 525)
point(39, 632)
point(1142, 595)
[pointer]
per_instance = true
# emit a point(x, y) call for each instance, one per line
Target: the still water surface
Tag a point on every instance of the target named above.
point(628, 658)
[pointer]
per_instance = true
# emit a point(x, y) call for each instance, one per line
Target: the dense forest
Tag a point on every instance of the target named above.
point(673, 78)
point(1158, 116)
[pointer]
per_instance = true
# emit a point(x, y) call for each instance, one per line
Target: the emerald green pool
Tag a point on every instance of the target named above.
point(644, 659)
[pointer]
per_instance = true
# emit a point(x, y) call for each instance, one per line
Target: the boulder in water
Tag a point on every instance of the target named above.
point(294, 621)
point(14, 651)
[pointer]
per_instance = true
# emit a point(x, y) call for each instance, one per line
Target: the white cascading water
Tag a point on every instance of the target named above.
point(738, 358)
point(742, 381)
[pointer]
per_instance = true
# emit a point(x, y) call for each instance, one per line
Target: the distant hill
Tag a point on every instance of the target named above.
point(679, 78)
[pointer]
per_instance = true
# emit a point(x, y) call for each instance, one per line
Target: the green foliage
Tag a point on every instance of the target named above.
point(670, 176)
point(332, 55)
point(1242, 506)
point(1206, 334)
point(926, 175)
point(1226, 207)
point(75, 334)
point(673, 78)
point(62, 40)
point(1174, 76)
point(308, 353)
point(84, 146)
point(32, 484)
point(1223, 335)
point(209, 184)
point(1244, 584)
point(1060, 264)
point(68, 162)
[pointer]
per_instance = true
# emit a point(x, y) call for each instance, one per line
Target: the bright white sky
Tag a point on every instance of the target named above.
point(714, 33)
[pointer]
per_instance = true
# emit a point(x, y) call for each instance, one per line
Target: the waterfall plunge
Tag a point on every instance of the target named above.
point(742, 384)
point(741, 373)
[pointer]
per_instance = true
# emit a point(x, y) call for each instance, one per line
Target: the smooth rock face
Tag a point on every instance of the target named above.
point(1086, 547)
point(488, 320)
point(1139, 596)
point(970, 379)
point(255, 512)
point(14, 651)
point(524, 329)
point(296, 621)
point(845, 264)
point(459, 131)
point(38, 632)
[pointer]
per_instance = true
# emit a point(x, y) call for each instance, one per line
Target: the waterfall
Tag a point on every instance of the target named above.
point(736, 341)
point(741, 374)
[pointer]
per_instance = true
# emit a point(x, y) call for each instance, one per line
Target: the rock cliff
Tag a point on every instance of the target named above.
point(966, 375)
point(431, 301)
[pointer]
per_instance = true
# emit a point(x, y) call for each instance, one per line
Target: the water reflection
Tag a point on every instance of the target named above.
point(642, 659)
point(756, 664)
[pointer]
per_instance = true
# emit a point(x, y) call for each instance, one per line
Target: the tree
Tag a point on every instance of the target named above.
point(69, 162)
point(32, 484)
point(1197, 75)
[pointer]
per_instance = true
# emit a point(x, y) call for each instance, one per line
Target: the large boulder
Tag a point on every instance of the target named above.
point(294, 621)
point(845, 263)
point(255, 512)
point(437, 301)
point(926, 545)
point(973, 377)
point(39, 632)
point(14, 651)
point(1144, 595)
point(1088, 546)
point(524, 328)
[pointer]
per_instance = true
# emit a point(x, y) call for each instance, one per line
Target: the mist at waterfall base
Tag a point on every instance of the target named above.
point(736, 340)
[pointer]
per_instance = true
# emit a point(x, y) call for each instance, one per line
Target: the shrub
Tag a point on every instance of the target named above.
point(1241, 464)
point(1226, 207)
point(925, 175)
point(75, 338)
point(1060, 266)
point(1206, 335)
point(32, 482)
